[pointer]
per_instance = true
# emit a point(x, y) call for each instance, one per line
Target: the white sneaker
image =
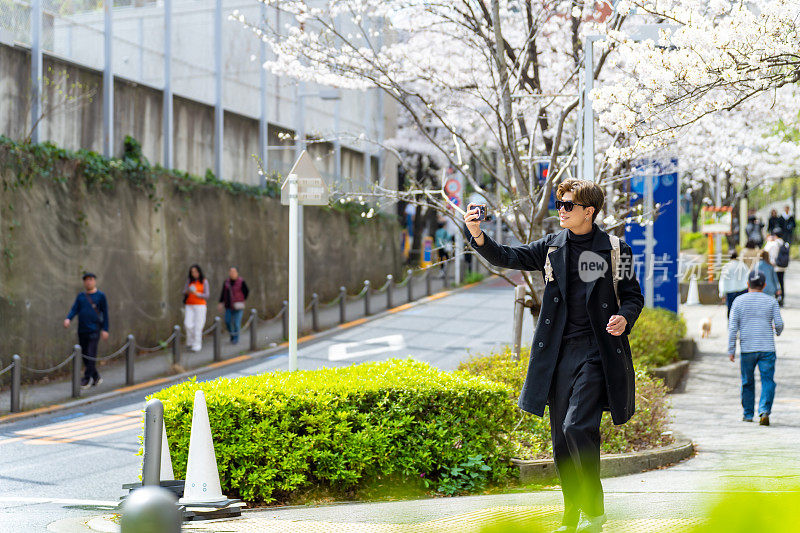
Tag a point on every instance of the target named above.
point(592, 524)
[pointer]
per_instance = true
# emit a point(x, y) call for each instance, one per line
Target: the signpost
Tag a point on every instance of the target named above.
point(655, 242)
point(303, 186)
point(453, 189)
point(715, 221)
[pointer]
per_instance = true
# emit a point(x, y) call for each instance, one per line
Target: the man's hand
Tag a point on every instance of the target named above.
point(473, 224)
point(732, 357)
point(66, 322)
point(220, 307)
point(616, 325)
point(104, 335)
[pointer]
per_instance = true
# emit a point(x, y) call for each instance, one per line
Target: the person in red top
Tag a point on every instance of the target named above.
point(234, 293)
point(195, 295)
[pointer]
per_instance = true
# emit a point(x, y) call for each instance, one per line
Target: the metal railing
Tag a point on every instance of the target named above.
point(131, 349)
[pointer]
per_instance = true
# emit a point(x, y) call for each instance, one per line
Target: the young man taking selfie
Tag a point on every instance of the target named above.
point(580, 357)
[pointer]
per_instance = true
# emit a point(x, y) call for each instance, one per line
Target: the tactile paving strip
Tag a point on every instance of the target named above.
point(472, 522)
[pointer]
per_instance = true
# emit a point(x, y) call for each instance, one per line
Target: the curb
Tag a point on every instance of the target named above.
point(671, 374)
point(253, 356)
point(612, 465)
point(687, 349)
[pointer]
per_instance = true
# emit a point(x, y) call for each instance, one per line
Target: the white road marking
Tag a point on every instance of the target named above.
point(344, 350)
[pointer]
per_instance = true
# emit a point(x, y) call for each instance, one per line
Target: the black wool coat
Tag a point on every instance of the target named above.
point(601, 303)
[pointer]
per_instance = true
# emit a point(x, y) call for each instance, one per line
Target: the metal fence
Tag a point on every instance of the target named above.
point(417, 284)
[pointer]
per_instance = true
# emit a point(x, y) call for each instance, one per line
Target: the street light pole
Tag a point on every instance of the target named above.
point(588, 112)
point(649, 243)
point(299, 146)
point(294, 273)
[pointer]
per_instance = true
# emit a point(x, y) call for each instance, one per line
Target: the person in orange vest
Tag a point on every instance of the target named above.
point(195, 296)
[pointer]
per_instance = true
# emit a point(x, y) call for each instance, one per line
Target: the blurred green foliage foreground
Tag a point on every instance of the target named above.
point(742, 511)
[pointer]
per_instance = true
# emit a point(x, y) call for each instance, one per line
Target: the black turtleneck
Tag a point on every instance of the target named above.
point(577, 315)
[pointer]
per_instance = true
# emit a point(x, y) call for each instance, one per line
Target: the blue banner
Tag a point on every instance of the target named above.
point(664, 268)
point(541, 174)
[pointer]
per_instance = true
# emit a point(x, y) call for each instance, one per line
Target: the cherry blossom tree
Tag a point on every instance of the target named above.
point(473, 78)
point(710, 56)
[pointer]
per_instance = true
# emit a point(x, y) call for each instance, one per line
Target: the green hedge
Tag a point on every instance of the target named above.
point(531, 439)
point(341, 429)
point(698, 242)
point(654, 338)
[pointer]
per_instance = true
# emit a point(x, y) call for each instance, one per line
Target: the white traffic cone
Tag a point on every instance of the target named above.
point(693, 298)
point(166, 459)
point(202, 478)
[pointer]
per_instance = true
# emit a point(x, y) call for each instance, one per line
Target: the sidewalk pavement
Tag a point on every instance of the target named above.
point(731, 456)
point(151, 366)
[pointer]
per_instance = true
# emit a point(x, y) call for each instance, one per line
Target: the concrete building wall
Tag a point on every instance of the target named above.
point(73, 39)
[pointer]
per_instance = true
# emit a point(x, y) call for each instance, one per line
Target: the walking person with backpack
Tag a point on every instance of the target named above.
point(232, 299)
point(580, 357)
point(778, 251)
point(91, 308)
point(755, 230)
point(195, 296)
point(755, 319)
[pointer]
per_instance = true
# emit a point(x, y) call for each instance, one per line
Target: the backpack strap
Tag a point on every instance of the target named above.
point(548, 268)
point(615, 274)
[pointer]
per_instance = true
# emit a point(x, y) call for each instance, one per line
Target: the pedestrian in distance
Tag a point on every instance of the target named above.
point(788, 225)
point(755, 230)
point(580, 357)
point(774, 222)
point(750, 254)
point(765, 266)
point(733, 280)
point(195, 296)
point(232, 299)
point(442, 241)
point(779, 257)
point(91, 308)
point(754, 318)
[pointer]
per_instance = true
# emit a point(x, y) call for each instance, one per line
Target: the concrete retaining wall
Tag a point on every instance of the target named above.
point(543, 470)
point(141, 242)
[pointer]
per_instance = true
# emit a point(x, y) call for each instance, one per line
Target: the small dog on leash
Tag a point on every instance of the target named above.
point(705, 328)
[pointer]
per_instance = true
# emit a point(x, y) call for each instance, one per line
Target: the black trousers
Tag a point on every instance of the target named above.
point(89, 342)
point(577, 396)
point(780, 276)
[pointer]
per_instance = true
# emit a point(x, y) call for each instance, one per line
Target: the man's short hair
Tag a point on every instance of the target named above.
point(88, 275)
point(583, 192)
point(756, 279)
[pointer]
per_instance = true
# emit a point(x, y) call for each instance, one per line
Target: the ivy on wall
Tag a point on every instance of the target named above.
point(27, 162)
point(22, 163)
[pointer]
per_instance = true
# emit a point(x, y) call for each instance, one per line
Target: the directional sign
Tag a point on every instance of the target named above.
point(663, 275)
point(350, 350)
point(311, 187)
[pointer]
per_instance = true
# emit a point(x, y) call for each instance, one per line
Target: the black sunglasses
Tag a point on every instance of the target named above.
point(567, 205)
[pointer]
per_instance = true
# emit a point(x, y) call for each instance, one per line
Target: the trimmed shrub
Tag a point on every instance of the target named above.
point(531, 436)
point(341, 429)
point(654, 338)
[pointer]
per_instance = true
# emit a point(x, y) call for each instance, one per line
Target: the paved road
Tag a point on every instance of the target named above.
point(71, 463)
point(99, 456)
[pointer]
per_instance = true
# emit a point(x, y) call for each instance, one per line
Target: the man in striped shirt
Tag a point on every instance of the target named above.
point(754, 317)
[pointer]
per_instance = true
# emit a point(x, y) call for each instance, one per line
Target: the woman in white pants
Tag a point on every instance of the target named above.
point(196, 292)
